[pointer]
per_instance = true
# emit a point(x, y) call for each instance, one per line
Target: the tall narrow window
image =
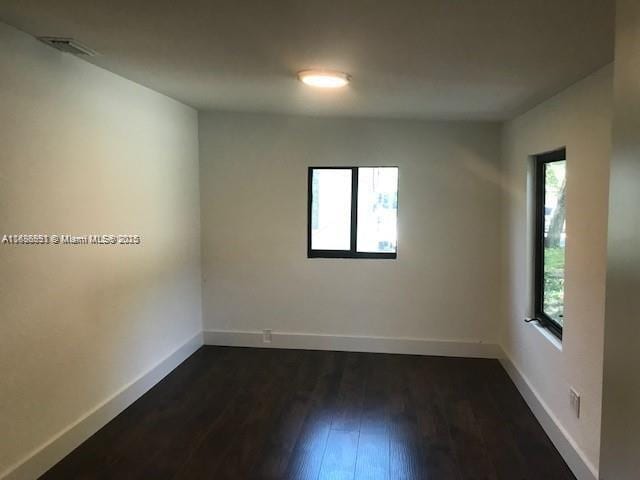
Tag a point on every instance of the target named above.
point(353, 212)
point(551, 170)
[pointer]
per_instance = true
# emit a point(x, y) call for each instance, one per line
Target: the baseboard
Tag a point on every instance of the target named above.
point(46, 456)
point(352, 343)
point(577, 461)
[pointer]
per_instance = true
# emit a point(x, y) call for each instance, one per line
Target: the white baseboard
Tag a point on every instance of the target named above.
point(46, 456)
point(577, 461)
point(352, 343)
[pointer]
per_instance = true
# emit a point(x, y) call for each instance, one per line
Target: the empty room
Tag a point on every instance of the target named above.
point(295, 240)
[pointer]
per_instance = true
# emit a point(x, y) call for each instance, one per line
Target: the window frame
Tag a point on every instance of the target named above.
point(352, 252)
point(541, 161)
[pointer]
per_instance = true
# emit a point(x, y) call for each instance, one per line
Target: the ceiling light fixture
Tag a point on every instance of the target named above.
point(324, 78)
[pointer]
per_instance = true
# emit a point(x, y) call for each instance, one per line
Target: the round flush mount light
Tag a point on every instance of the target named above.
point(324, 78)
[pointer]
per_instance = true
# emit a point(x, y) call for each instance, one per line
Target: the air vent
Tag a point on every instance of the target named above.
point(68, 45)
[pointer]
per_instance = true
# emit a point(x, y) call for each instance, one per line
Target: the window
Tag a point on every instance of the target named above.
point(550, 175)
point(353, 212)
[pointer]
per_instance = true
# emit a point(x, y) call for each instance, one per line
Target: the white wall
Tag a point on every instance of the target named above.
point(580, 119)
point(444, 283)
point(621, 395)
point(85, 151)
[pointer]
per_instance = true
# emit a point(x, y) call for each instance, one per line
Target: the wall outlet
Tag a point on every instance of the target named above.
point(574, 401)
point(266, 335)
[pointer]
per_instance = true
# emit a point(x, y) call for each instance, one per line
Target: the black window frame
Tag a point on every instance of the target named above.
point(541, 161)
point(352, 252)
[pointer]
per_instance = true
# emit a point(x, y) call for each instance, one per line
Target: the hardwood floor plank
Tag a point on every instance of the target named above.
point(206, 457)
point(189, 423)
point(406, 460)
point(246, 449)
point(440, 461)
point(471, 453)
point(375, 405)
point(290, 416)
point(372, 462)
point(348, 407)
point(306, 458)
point(505, 457)
point(339, 460)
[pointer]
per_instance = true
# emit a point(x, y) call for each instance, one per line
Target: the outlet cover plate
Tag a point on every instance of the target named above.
point(266, 335)
point(574, 401)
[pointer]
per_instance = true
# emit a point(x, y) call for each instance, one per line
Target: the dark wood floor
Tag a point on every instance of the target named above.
point(234, 413)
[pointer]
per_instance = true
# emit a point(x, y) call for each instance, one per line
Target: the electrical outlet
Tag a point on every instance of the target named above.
point(266, 335)
point(574, 401)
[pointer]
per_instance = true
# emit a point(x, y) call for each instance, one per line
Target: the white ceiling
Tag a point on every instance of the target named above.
point(444, 59)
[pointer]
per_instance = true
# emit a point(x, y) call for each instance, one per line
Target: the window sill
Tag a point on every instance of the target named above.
point(546, 333)
point(349, 254)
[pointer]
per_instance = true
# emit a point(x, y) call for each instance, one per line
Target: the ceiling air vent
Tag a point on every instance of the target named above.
point(68, 45)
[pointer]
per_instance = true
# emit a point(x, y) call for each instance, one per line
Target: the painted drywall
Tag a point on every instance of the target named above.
point(621, 394)
point(84, 151)
point(580, 120)
point(256, 274)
